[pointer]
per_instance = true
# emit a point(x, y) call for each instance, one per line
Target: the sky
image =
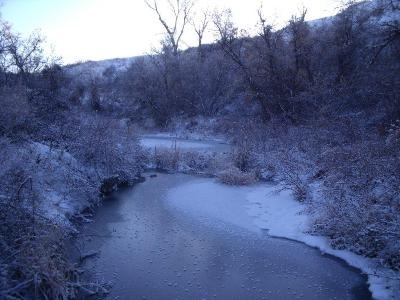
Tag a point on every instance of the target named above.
point(80, 30)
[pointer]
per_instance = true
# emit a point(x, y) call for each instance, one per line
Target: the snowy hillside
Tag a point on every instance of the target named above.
point(94, 69)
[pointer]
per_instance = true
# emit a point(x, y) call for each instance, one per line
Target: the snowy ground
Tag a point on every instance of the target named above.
point(59, 182)
point(268, 208)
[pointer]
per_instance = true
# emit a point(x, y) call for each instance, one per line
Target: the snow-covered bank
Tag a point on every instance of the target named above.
point(278, 212)
point(266, 207)
point(43, 191)
point(62, 183)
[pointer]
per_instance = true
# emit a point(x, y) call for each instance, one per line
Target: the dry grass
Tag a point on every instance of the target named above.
point(233, 176)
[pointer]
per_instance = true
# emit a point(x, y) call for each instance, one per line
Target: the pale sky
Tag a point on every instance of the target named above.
point(80, 30)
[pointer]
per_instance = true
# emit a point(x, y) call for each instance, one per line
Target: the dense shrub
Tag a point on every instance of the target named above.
point(348, 179)
point(361, 205)
point(325, 126)
point(234, 176)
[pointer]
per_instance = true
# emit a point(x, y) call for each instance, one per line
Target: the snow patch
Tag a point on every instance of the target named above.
point(277, 211)
point(211, 200)
point(58, 180)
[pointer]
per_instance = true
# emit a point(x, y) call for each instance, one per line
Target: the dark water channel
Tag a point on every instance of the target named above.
point(150, 250)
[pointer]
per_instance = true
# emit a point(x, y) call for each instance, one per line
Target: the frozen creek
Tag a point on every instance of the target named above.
point(180, 237)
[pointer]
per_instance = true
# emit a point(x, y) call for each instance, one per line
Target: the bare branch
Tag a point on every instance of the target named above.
point(201, 26)
point(180, 12)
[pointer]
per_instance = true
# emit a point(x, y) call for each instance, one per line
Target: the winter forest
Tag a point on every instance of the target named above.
point(229, 152)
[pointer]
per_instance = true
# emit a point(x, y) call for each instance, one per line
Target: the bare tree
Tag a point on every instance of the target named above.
point(257, 62)
point(180, 10)
point(348, 31)
point(228, 36)
point(266, 32)
point(301, 44)
point(200, 28)
point(27, 54)
point(3, 46)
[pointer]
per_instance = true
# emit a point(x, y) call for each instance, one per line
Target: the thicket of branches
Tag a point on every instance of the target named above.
point(307, 70)
point(329, 100)
point(315, 104)
point(56, 148)
point(312, 104)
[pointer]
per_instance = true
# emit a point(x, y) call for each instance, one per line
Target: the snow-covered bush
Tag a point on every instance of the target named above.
point(107, 145)
point(15, 111)
point(43, 186)
point(244, 153)
point(187, 161)
point(361, 205)
point(275, 153)
point(166, 158)
point(196, 160)
point(234, 176)
point(350, 180)
point(33, 259)
point(293, 170)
